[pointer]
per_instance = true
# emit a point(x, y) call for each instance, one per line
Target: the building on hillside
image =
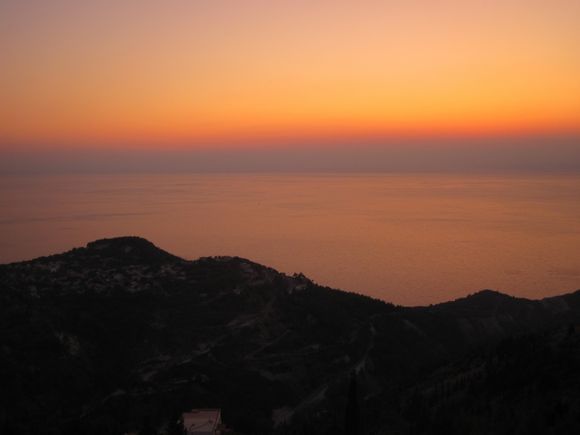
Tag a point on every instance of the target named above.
point(202, 422)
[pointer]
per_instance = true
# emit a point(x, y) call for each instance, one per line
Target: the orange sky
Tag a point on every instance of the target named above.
point(214, 73)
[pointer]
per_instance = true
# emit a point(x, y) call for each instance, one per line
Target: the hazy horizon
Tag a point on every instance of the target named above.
point(540, 154)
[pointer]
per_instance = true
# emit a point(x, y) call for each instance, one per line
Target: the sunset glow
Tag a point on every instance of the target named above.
point(201, 74)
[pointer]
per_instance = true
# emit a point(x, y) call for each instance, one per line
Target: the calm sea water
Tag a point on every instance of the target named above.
point(410, 239)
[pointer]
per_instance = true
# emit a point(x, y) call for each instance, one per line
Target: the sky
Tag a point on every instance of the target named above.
point(81, 77)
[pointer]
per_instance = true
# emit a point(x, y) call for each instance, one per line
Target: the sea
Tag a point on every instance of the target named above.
point(410, 239)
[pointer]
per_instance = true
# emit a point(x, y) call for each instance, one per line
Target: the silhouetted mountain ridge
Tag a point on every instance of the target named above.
point(99, 338)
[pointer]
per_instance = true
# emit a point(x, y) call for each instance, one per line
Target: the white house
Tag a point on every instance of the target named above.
point(202, 422)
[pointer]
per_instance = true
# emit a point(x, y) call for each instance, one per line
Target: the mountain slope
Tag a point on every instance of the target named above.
point(121, 334)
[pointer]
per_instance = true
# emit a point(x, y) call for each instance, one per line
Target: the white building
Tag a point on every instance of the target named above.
point(202, 422)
